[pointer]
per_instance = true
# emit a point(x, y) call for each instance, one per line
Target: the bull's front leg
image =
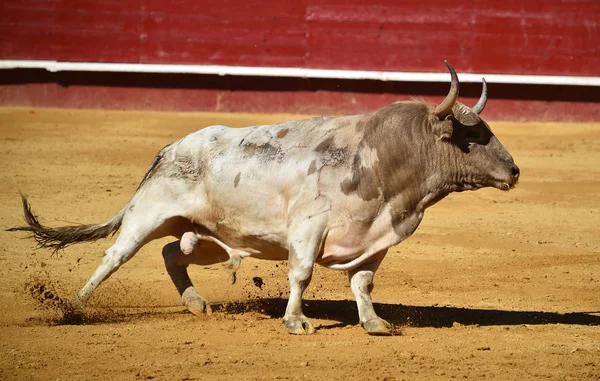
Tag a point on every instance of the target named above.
point(305, 244)
point(300, 274)
point(361, 282)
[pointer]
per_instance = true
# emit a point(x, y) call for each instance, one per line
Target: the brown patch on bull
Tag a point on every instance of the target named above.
point(236, 181)
point(312, 168)
point(282, 133)
point(265, 151)
point(335, 156)
point(400, 134)
point(174, 165)
point(329, 154)
point(341, 124)
point(250, 148)
point(324, 145)
point(361, 125)
point(186, 167)
point(364, 181)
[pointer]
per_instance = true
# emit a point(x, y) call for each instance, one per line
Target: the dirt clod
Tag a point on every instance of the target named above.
point(258, 282)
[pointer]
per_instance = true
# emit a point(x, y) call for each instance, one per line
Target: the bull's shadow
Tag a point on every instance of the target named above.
point(345, 311)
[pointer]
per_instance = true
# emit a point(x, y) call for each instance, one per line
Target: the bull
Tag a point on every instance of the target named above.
point(334, 191)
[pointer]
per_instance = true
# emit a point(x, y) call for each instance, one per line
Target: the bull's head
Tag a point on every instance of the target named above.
point(481, 160)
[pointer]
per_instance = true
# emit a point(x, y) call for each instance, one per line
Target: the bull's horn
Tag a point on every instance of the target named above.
point(445, 107)
point(478, 108)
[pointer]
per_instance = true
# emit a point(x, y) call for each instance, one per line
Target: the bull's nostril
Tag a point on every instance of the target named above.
point(515, 171)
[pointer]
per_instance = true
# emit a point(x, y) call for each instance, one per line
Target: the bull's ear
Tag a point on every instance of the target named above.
point(442, 129)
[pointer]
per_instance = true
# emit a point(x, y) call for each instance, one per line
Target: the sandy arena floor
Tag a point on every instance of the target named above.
point(492, 285)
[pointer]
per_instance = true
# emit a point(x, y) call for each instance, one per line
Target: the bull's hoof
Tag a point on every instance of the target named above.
point(75, 306)
point(377, 327)
point(299, 325)
point(73, 311)
point(195, 303)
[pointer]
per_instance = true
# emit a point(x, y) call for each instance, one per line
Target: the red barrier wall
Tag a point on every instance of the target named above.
point(492, 36)
point(554, 37)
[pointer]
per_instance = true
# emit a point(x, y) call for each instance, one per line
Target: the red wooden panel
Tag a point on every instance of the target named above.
point(229, 10)
point(70, 21)
point(387, 35)
point(181, 39)
point(66, 46)
point(68, 35)
point(543, 38)
point(99, 6)
point(498, 36)
point(411, 47)
point(390, 11)
point(244, 31)
point(216, 54)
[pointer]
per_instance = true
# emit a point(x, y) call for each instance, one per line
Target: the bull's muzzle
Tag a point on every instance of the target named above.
point(515, 173)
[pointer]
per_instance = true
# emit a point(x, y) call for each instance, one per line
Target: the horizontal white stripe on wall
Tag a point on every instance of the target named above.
point(398, 76)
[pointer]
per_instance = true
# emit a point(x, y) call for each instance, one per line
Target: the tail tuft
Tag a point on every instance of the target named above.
point(60, 237)
point(232, 265)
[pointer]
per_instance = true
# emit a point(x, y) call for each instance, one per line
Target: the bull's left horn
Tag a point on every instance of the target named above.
point(445, 107)
point(478, 108)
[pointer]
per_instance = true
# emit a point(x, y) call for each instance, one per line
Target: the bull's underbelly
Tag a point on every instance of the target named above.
point(343, 249)
point(346, 246)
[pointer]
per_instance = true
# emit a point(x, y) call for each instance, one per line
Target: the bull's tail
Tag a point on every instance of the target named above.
point(60, 237)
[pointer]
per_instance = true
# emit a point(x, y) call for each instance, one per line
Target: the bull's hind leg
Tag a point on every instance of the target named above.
point(137, 229)
point(114, 257)
point(176, 263)
point(361, 282)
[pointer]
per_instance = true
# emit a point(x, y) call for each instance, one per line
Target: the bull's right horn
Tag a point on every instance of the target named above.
point(478, 108)
point(445, 107)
